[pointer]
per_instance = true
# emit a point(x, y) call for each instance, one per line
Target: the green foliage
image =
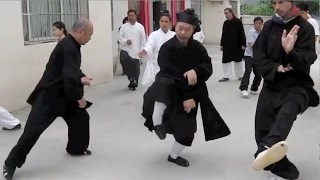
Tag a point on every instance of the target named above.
point(264, 7)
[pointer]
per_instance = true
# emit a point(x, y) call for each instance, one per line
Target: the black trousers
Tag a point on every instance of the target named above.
point(44, 111)
point(273, 125)
point(246, 76)
point(131, 66)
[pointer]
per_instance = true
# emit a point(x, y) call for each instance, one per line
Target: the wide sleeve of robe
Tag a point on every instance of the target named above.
point(203, 70)
point(150, 45)
point(265, 66)
point(303, 55)
point(72, 74)
point(241, 33)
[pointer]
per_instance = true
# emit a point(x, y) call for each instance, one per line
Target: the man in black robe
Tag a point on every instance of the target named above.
point(171, 103)
point(59, 93)
point(283, 54)
point(232, 45)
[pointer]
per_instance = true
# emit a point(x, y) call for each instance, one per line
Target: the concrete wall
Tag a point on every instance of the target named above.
point(21, 67)
point(120, 9)
point(247, 21)
point(213, 18)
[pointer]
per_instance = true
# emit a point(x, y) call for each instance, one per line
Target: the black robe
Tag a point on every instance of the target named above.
point(232, 39)
point(171, 88)
point(268, 55)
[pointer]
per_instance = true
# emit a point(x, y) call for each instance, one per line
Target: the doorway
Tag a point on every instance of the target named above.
point(158, 6)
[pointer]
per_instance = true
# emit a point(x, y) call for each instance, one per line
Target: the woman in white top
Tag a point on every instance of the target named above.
point(151, 50)
point(199, 36)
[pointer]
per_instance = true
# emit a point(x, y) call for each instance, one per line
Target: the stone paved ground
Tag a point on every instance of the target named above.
point(123, 149)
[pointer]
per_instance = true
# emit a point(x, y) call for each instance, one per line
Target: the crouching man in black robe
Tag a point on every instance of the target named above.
point(171, 103)
point(59, 93)
point(283, 54)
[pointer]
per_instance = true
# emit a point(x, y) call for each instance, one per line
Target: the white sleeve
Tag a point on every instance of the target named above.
point(143, 40)
point(150, 45)
point(201, 36)
point(121, 38)
point(316, 28)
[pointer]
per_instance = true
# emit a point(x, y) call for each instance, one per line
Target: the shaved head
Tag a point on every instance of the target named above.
point(82, 30)
point(80, 24)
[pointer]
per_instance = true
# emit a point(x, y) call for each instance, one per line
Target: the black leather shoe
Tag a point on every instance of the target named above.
point(179, 161)
point(286, 169)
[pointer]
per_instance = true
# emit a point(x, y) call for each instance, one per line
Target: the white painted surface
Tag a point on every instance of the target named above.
point(21, 67)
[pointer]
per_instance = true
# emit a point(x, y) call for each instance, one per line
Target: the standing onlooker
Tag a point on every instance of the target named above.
point(132, 38)
point(59, 30)
point(125, 20)
point(233, 44)
point(251, 38)
point(304, 13)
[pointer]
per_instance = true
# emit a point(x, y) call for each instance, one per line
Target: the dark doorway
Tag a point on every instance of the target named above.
point(158, 7)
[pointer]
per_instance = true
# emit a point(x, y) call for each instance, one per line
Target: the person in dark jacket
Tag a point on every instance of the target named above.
point(59, 93)
point(171, 102)
point(233, 44)
point(282, 55)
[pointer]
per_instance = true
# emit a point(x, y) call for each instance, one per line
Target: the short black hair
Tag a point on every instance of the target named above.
point(303, 6)
point(131, 10)
point(258, 19)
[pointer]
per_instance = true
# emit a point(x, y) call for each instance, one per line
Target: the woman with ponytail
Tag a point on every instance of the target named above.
point(59, 30)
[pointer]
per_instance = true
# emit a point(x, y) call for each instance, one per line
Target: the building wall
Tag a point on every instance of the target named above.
point(213, 18)
point(22, 66)
point(120, 9)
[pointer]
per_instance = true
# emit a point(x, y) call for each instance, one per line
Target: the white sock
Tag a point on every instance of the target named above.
point(176, 149)
point(158, 113)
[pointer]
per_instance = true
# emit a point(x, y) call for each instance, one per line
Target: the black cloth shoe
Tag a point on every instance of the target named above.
point(8, 171)
point(84, 153)
point(285, 169)
point(179, 161)
point(14, 128)
point(160, 131)
point(224, 80)
point(133, 84)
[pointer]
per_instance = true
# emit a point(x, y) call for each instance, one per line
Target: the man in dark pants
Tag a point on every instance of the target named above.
point(59, 93)
point(282, 54)
point(251, 38)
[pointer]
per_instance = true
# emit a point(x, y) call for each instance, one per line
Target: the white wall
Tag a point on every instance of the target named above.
point(21, 67)
point(213, 19)
point(120, 9)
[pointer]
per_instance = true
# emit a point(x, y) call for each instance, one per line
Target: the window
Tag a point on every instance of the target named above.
point(39, 15)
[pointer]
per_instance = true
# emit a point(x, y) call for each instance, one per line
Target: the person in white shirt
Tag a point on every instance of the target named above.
point(199, 36)
point(132, 38)
point(151, 50)
point(7, 121)
point(304, 13)
point(248, 59)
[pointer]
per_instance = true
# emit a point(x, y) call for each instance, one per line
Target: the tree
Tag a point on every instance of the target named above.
point(264, 7)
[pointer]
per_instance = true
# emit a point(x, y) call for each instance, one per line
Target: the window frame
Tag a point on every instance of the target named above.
point(48, 39)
